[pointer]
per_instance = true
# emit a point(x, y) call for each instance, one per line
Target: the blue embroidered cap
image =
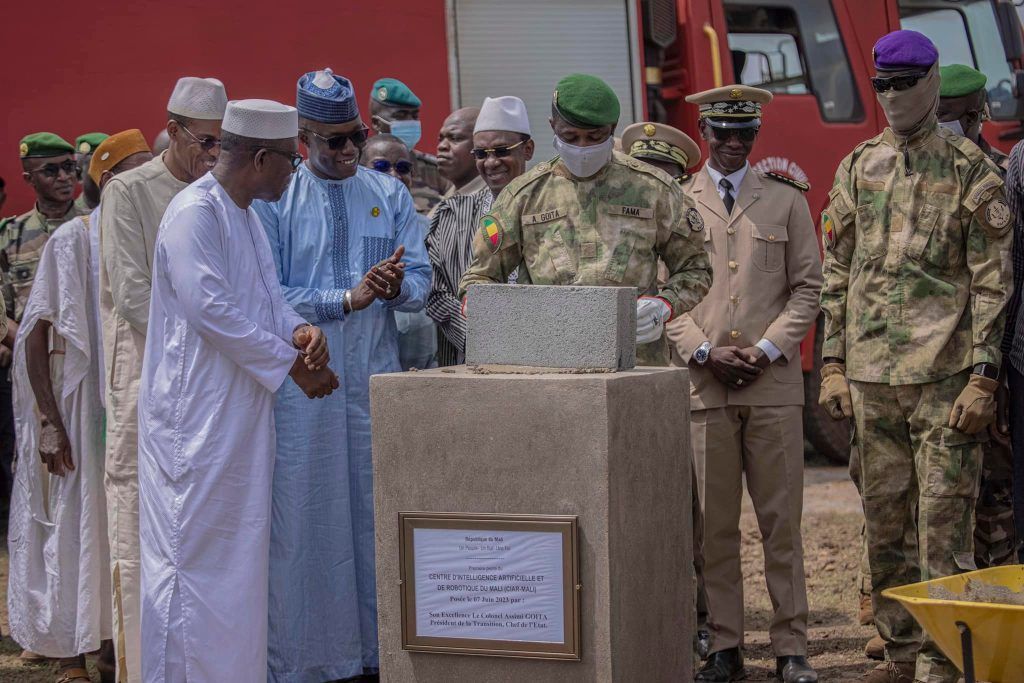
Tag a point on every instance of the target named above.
point(327, 98)
point(904, 50)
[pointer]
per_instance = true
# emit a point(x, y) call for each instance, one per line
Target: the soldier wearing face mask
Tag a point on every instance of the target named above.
point(593, 216)
point(963, 108)
point(916, 269)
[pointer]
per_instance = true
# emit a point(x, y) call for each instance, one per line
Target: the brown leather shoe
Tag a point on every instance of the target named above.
point(889, 672)
point(866, 614)
point(875, 649)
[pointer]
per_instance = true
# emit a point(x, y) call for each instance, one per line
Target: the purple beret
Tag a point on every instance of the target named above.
point(904, 50)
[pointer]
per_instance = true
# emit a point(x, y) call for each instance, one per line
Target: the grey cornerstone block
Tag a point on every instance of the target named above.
point(612, 448)
point(551, 327)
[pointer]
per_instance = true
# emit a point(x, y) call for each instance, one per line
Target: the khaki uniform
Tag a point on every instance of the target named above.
point(916, 269)
point(767, 282)
point(21, 243)
point(609, 229)
point(133, 205)
point(428, 187)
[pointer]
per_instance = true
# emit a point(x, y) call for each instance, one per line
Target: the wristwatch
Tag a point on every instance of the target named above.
point(700, 356)
point(986, 370)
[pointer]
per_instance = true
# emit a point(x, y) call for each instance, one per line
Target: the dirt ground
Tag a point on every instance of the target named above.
point(831, 528)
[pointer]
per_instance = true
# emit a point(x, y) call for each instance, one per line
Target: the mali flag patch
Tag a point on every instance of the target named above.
point(492, 232)
point(828, 228)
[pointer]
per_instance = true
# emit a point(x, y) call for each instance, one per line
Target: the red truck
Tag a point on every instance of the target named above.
point(73, 69)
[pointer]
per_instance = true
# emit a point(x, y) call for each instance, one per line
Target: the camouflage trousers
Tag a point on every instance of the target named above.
point(919, 483)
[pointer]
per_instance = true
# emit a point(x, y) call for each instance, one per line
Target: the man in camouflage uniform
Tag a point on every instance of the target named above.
point(917, 236)
point(395, 109)
point(592, 216)
point(85, 145)
point(50, 168)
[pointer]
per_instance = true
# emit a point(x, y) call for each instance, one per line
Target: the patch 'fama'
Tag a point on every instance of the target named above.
point(492, 232)
point(774, 175)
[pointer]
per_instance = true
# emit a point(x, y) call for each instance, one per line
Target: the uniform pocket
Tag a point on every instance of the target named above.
point(769, 246)
point(938, 238)
point(953, 464)
point(375, 250)
point(547, 256)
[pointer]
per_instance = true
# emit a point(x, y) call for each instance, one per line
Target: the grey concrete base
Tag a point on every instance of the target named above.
point(612, 448)
point(556, 327)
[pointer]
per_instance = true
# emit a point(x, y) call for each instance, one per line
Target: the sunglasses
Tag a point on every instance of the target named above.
point(402, 167)
point(744, 134)
point(902, 82)
point(498, 152)
point(294, 158)
point(207, 142)
point(53, 170)
point(358, 138)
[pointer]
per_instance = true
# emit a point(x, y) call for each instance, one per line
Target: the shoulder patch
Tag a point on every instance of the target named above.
point(492, 232)
point(774, 175)
point(996, 215)
point(536, 173)
point(695, 220)
point(828, 228)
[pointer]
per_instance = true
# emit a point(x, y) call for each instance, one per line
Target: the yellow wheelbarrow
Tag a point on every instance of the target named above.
point(984, 639)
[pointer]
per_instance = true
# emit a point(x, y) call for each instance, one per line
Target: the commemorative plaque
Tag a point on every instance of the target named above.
point(490, 584)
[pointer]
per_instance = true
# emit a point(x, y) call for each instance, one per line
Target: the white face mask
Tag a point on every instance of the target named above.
point(584, 162)
point(953, 126)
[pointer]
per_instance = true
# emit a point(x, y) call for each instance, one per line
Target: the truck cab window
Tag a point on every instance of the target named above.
point(968, 34)
point(793, 48)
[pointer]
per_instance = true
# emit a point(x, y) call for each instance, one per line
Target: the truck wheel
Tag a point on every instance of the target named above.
point(829, 438)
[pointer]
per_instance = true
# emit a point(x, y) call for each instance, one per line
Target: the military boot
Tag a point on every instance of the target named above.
point(889, 672)
point(875, 649)
point(866, 614)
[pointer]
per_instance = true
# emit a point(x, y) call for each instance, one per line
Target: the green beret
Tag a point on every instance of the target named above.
point(85, 144)
point(586, 101)
point(959, 80)
point(394, 93)
point(44, 145)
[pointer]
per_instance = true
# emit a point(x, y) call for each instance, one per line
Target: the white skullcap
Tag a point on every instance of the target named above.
point(198, 98)
point(503, 113)
point(261, 119)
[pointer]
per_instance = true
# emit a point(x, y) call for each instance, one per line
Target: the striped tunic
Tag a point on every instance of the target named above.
point(450, 249)
point(1013, 337)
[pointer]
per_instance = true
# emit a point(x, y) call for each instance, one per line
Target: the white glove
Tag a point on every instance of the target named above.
point(651, 314)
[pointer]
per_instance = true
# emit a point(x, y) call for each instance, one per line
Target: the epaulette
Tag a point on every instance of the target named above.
point(535, 173)
point(966, 147)
point(803, 187)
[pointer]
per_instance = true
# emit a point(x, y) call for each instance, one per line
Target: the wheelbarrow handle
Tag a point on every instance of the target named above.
point(967, 646)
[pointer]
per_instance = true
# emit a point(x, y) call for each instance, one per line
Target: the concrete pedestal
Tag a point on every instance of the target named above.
point(612, 448)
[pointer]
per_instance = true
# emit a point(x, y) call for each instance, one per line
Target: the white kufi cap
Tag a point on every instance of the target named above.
point(261, 119)
point(503, 113)
point(198, 98)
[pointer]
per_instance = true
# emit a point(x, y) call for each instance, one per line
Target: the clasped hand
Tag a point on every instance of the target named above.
point(310, 369)
point(55, 449)
point(383, 281)
point(737, 367)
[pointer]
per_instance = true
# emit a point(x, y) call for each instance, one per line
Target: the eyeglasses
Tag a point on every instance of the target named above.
point(358, 138)
point(294, 158)
point(744, 134)
point(53, 170)
point(207, 142)
point(402, 167)
point(902, 82)
point(498, 152)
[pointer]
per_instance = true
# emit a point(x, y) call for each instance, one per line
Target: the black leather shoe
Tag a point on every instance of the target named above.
point(702, 643)
point(722, 666)
point(795, 669)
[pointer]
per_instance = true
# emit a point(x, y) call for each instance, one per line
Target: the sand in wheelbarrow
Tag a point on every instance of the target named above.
point(978, 591)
